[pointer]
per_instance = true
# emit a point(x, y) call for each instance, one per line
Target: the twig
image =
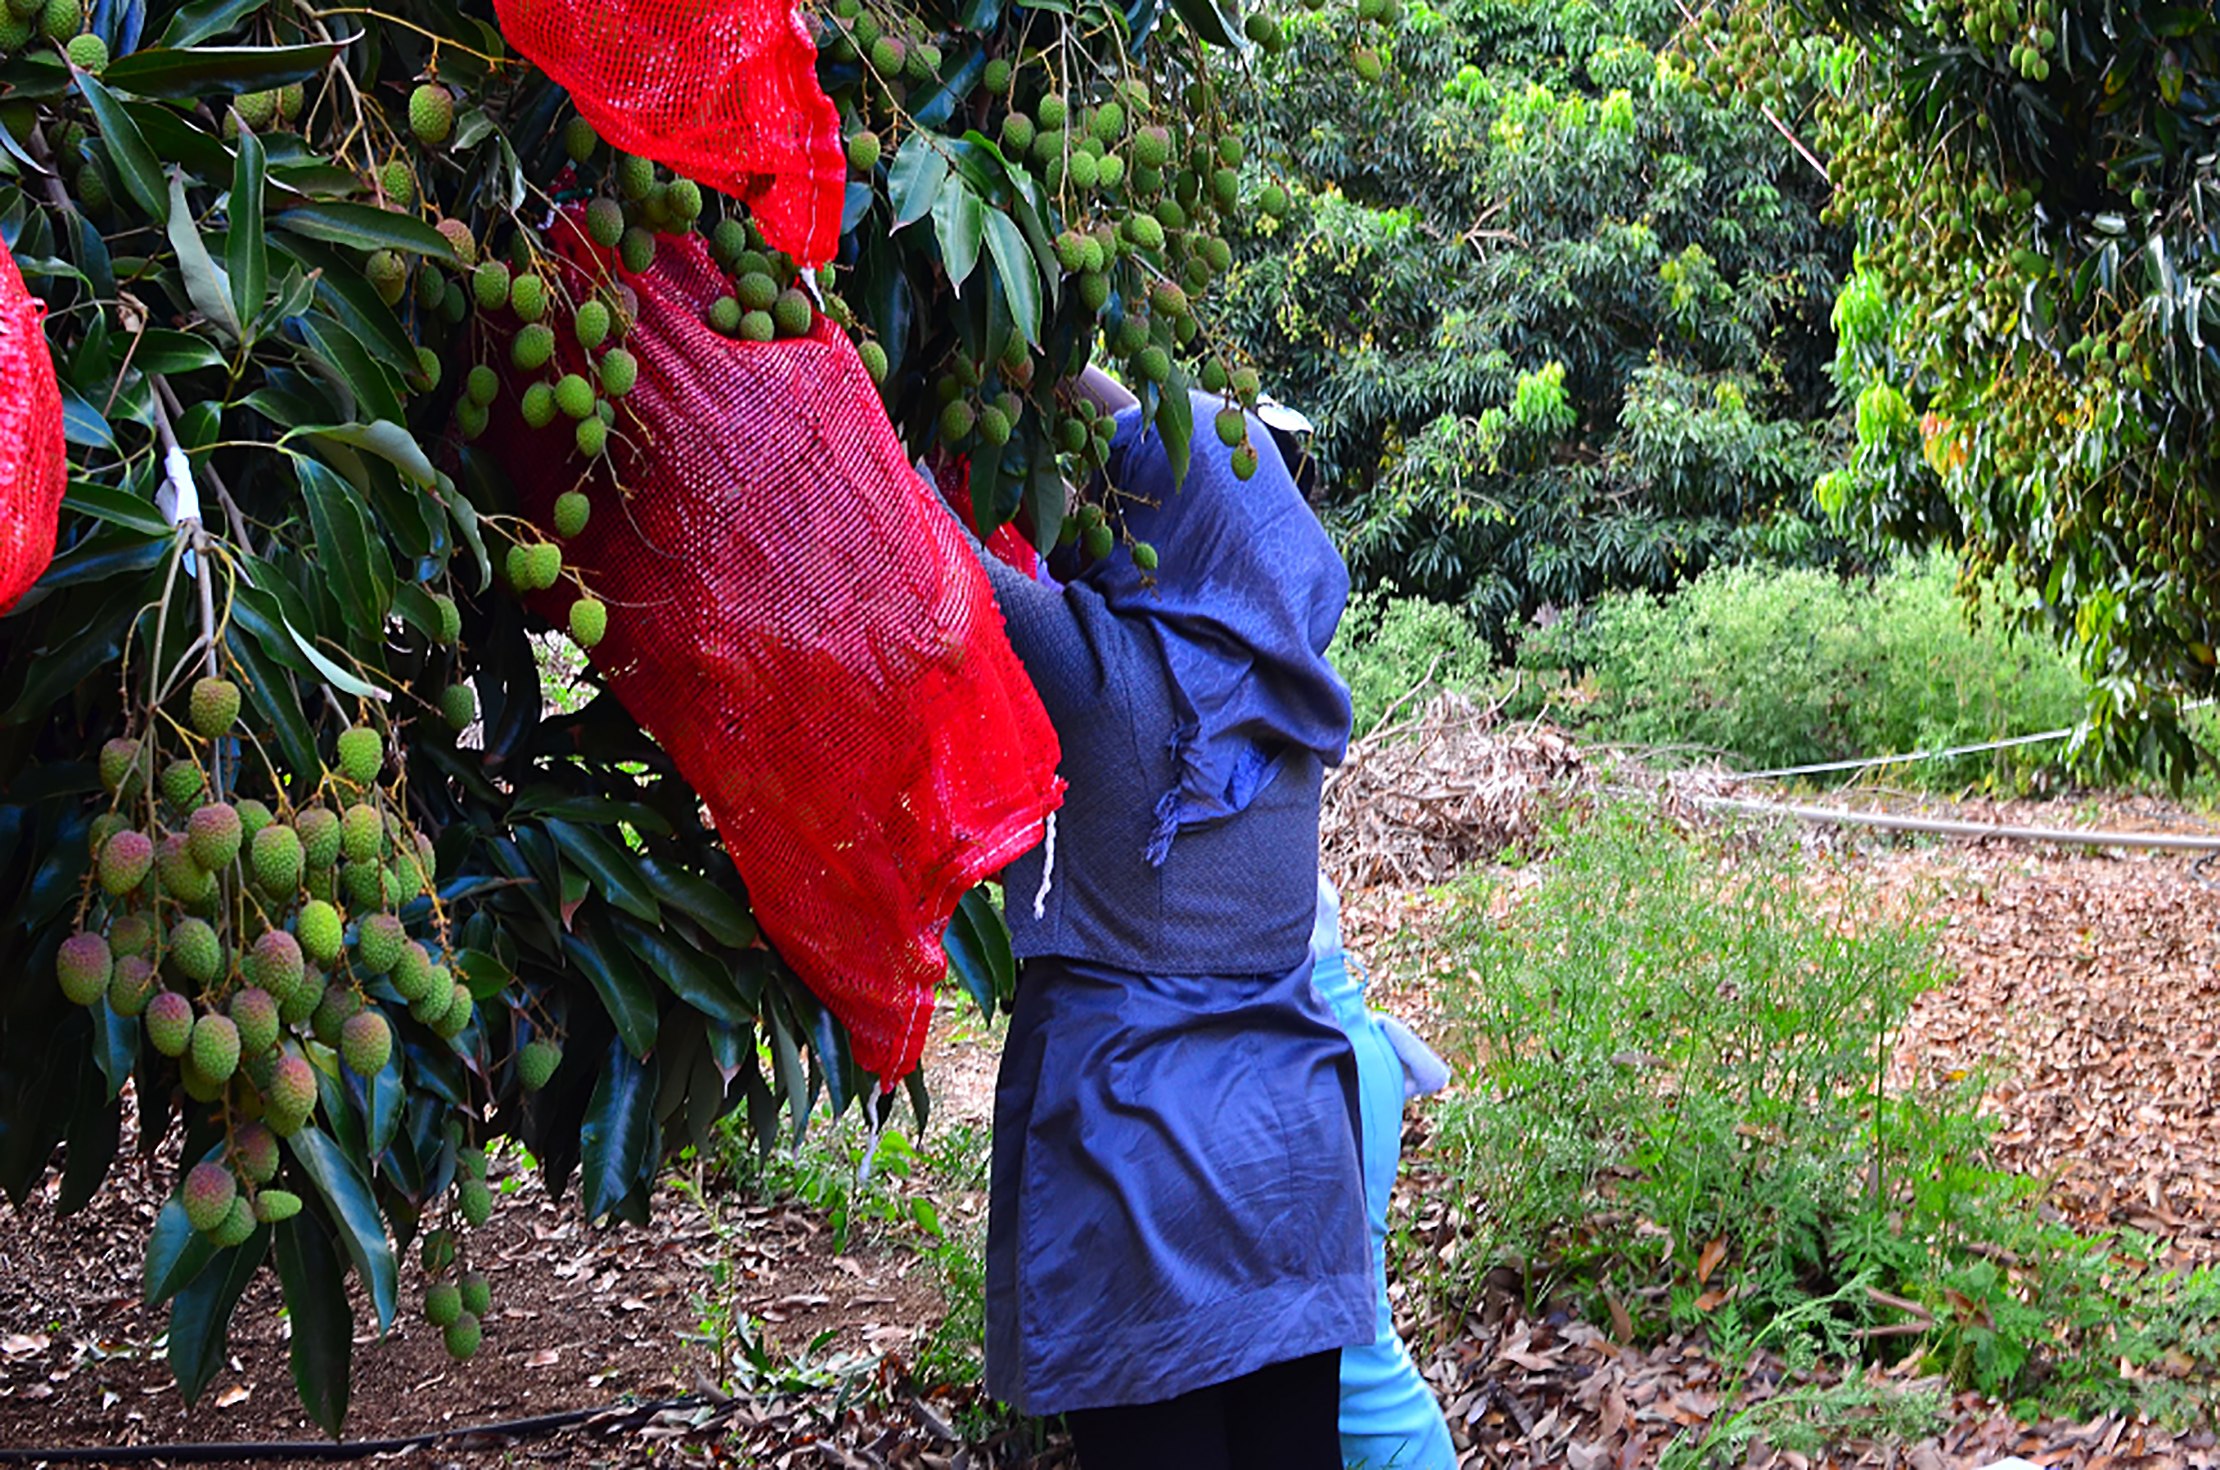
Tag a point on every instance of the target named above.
point(238, 522)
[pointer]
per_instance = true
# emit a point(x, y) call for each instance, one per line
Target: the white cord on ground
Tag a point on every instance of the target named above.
point(1864, 763)
point(1944, 827)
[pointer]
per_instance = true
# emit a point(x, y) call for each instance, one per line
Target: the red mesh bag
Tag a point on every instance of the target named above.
point(33, 472)
point(805, 631)
point(952, 476)
point(723, 91)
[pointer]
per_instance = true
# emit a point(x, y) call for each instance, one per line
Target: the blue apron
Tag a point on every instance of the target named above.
point(1175, 1196)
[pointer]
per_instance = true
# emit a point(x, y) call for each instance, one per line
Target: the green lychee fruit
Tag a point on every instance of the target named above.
point(994, 425)
point(450, 622)
point(1018, 133)
point(874, 361)
point(364, 884)
point(437, 1252)
point(388, 274)
point(443, 1305)
point(297, 1007)
point(528, 297)
point(291, 1095)
point(592, 436)
point(207, 1194)
point(125, 860)
point(460, 1012)
point(536, 1063)
point(1242, 462)
point(256, 109)
point(474, 1201)
point(538, 407)
point(1052, 111)
point(580, 140)
point(605, 222)
point(183, 782)
point(533, 346)
point(461, 241)
point(194, 951)
point(757, 291)
point(589, 621)
point(1154, 364)
point(724, 315)
point(254, 1017)
point(477, 1293)
point(757, 326)
point(634, 175)
point(863, 151)
point(362, 833)
point(544, 564)
point(87, 52)
point(379, 940)
point(215, 1048)
point(684, 201)
point(1232, 427)
point(214, 706)
point(591, 324)
point(1246, 385)
point(256, 1149)
point(619, 371)
point(398, 185)
point(413, 974)
point(132, 934)
point(83, 964)
point(168, 1019)
point(888, 55)
point(274, 963)
point(996, 77)
point(1099, 540)
point(435, 994)
point(462, 1338)
point(361, 755)
point(431, 114)
point(273, 1205)
point(131, 985)
point(574, 396)
point(366, 1042)
point(489, 284)
point(458, 706)
point(636, 249)
point(572, 509)
point(213, 834)
point(481, 385)
point(119, 759)
point(1368, 64)
point(321, 836)
point(237, 1227)
point(277, 859)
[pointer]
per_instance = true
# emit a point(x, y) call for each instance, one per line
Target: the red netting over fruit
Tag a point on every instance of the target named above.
point(793, 618)
point(952, 475)
point(723, 91)
point(32, 469)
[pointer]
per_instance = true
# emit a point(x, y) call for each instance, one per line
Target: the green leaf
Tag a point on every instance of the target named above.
point(978, 945)
point(609, 865)
point(914, 179)
point(200, 1318)
point(354, 562)
point(361, 1230)
point(248, 251)
point(1175, 420)
point(117, 507)
point(387, 440)
point(959, 224)
point(1015, 273)
point(323, 1322)
point(84, 425)
point(617, 1140)
point(371, 392)
point(199, 21)
point(182, 74)
point(350, 300)
point(625, 993)
point(332, 673)
point(701, 982)
point(271, 694)
point(175, 1253)
point(205, 282)
point(164, 351)
point(366, 228)
point(1209, 20)
point(135, 163)
point(464, 513)
point(726, 918)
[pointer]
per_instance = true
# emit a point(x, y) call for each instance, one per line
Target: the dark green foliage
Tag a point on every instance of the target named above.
point(1561, 318)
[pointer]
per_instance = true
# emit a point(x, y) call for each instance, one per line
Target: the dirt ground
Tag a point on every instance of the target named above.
point(2088, 992)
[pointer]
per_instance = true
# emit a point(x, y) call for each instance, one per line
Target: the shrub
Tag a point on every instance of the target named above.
point(1387, 645)
point(1778, 667)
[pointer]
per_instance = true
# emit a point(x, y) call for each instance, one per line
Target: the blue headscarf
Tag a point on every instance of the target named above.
point(1245, 598)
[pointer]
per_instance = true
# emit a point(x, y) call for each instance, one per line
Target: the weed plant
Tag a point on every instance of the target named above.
point(1675, 1063)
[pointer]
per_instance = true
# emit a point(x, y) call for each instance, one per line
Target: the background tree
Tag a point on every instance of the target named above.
point(2029, 335)
point(1560, 315)
point(330, 877)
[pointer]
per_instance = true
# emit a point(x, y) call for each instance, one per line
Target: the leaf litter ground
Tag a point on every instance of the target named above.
point(2087, 994)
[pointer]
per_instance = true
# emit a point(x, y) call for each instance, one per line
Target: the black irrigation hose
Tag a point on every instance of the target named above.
point(329, 1449)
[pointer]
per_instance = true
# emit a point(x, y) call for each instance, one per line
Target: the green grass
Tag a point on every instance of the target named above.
point(1673, 1056)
